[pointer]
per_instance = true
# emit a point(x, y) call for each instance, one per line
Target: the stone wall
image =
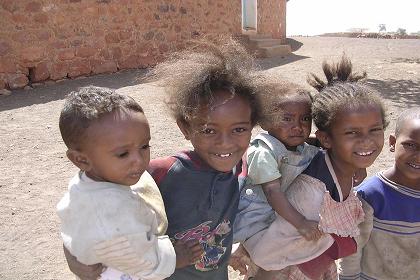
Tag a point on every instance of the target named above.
point(56, 39)
point(272, 18)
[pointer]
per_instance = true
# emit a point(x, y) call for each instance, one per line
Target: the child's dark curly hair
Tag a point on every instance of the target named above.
point(409, 114)
point(342, 90)
point(274, 91)
point(87, 105)
point(192, 77)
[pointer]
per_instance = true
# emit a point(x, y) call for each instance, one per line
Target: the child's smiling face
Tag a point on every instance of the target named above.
point(117, 148)
point(407, 154)
point(355, 139)
point(220, 133)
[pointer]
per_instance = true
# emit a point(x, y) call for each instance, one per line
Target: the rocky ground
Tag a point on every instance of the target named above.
point(34, 170)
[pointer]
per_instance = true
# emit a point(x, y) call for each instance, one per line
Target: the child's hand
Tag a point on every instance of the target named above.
point(84, 272)
point(239, 260)
point(187, 253)
point(309, 230)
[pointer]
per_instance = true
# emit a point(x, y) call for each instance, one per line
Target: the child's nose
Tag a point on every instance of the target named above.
point(224, 139)
point(367, 141)
point(297, 126)
point(138, 160)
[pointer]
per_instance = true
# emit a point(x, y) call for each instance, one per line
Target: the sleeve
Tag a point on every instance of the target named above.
point(140, 255)
point(158, 168)
point(262, 164)
point(350, 267)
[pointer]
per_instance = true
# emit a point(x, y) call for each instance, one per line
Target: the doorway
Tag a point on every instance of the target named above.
point(249, 15)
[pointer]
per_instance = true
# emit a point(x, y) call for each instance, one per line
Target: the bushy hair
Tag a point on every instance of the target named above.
point(409, 114)
point(343, 90)
point(274, 91)
point(87, 105)
point(192, 77)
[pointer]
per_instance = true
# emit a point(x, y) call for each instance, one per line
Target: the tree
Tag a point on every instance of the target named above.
point(382, 27)
point(401, 31)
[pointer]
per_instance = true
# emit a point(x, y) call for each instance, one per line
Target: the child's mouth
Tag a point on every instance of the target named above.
point(224, 155)
point(368, 153)
point(413, 165)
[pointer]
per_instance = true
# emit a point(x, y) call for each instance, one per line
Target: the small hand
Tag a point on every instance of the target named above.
point(187, 253)
point(84, 272)
point(309, 230)
point(239, 260)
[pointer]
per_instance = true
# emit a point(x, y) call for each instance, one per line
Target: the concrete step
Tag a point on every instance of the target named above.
point(252, 34)
point(278, 50)
point(263, 42)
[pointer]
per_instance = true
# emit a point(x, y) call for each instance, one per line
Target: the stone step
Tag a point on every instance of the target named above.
point(258, 36)
point(273, 51)
point(263, 42)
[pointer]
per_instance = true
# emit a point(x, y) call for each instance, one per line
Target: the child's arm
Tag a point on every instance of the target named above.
point(84, 272)
point(280, 204)
point(186, 254)
point(141, 255)
point(239, 260)
point(350, 267)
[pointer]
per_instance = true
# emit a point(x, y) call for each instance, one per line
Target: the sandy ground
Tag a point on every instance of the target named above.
point(34, 170)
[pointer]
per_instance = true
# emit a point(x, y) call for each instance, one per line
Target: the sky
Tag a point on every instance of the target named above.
point(313, 17)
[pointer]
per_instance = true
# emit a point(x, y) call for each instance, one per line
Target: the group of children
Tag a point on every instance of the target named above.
point(293, 207)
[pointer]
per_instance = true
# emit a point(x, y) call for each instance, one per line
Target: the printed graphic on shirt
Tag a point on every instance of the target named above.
point(210, 240)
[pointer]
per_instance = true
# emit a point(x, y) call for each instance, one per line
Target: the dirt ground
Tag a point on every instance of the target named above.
point(35, 172)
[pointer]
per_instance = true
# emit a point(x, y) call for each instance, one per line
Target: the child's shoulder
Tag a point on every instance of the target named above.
point(264, 143)
point(159, 167)
point(375, 190)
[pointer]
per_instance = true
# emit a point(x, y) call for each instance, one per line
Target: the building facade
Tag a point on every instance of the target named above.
point(56, 39)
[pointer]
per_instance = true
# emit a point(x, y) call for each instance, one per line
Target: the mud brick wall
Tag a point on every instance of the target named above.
point(272, 18)
point(56, 39)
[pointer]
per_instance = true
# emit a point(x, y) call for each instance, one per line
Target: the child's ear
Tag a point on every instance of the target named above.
point(185, 128)
point(79, 159)
point(324, 138)
point(392, 141)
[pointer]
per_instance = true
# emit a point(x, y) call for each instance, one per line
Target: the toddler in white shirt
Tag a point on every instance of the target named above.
point(113, 212)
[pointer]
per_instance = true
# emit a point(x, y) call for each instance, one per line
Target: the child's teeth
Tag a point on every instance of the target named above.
point(223, 155)
point(364, 153)
point(414, 165)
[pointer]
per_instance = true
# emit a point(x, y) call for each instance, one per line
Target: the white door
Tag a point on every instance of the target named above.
point(249, 14)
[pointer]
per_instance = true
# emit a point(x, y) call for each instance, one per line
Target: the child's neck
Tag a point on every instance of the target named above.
point(344, 175)
point(398, 178)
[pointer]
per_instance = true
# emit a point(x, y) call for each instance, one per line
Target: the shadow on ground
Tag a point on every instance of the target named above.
point(272, 62)
point(267, 63)
point(403, 93)
point(57, 91)
point(294, 44)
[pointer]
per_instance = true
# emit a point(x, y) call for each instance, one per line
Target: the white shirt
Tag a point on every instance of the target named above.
point(117, 226)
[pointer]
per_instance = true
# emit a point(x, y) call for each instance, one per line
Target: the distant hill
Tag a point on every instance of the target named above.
point(376, 35)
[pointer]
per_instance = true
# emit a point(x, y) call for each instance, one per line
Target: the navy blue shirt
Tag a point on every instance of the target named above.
point(201, 204)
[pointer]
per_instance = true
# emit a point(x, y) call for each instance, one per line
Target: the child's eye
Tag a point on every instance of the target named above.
point(307, 119)
point(145, 147)
point(377, 129)
point(286, 119)
point(122, 155)
point(239, 129)
point(352, 132)
point(409, 145)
